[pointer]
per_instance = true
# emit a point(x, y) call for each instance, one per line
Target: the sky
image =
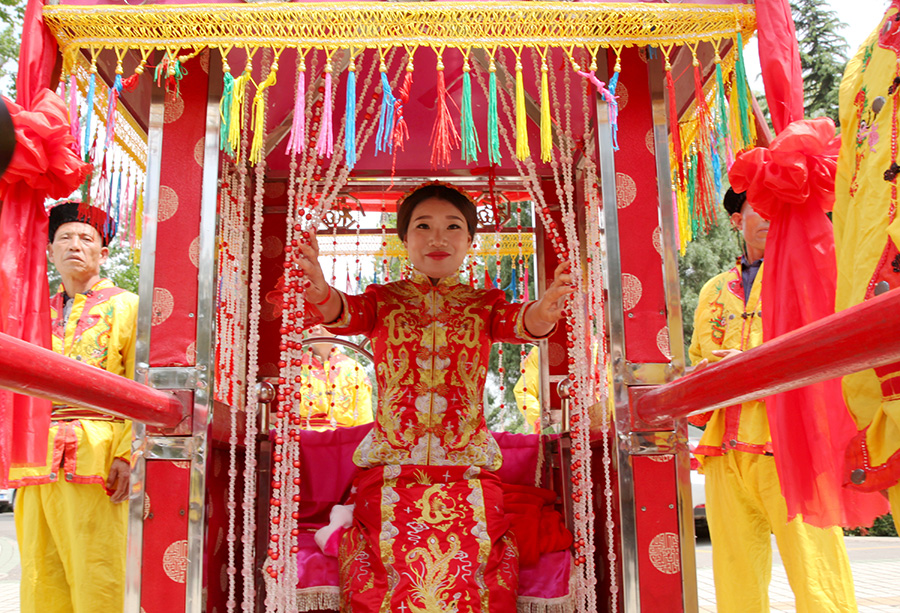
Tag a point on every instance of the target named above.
point(861, 17)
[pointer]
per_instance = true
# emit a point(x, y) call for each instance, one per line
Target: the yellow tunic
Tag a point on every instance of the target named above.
point(99, 331)
point(723, 322)
point(867, 238)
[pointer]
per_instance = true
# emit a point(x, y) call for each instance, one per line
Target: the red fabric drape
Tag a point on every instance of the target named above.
point(792, 185)
point(779, 59)
point(24, 301)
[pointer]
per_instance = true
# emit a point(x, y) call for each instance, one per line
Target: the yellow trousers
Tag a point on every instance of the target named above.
point(72, 543)
point(744, 506)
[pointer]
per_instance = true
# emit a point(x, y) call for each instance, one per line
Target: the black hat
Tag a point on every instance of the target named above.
point(73, 210)
point(734, 201)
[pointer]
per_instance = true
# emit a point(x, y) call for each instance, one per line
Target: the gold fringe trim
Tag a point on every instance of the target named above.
point(321, 598)
point(528, 604)
point(378, 25)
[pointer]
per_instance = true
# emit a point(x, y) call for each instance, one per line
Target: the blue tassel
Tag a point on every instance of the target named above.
point(350, 118)
point(92, 83)
point(614, 125)
point(383, 140)
point(513, 286)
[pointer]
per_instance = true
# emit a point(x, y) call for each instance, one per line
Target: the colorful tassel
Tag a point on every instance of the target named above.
point(470, 146)
point(114, 92)
point(73, 116)
point(546, 129)
point(297, 137)
point(743, 92)
point(225, 110)
point(383, 138)
point(92, 84)
point(522, 149)
point(401, 131)
point(673, 119)
point(444, 136)
point(513, 285)
point(350, 117)
point(614, 106)
point(259, 115)
point(239, 94)
point(325, 144)
point(609, 97)
point(493, 122)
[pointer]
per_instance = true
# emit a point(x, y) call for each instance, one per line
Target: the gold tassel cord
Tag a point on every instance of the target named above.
point(377, 25)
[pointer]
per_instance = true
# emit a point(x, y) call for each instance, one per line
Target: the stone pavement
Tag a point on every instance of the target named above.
point(875, 562)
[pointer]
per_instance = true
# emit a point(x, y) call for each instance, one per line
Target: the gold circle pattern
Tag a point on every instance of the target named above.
point(163, 305)
point(632, 290)
point(168, 203)
point(626, 190)
point(664, 553)
point(175, 561)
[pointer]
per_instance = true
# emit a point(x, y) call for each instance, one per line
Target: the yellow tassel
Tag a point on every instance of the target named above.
point(138, 229)
point(259, 115)
point(522, 150)
point(237, 108)
point(546, 133)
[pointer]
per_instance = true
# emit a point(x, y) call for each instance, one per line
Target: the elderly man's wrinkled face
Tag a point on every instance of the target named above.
point(77, 250)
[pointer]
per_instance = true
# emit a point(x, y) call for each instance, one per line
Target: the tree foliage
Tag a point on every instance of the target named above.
point(11, 15)
point(823, 56)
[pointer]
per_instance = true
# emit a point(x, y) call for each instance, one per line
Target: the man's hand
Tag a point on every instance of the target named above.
point(118, 480)
point(724, 354)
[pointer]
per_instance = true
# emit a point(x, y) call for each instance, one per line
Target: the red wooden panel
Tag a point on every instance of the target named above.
point(175, 285)
point(659, 552)
point(646, 336)
point(164, 564)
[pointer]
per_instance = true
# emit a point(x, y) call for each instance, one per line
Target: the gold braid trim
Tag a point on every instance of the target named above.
point(377, 25)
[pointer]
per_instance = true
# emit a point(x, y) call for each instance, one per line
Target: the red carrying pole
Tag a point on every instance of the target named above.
point(864, 336)
point(35, 371)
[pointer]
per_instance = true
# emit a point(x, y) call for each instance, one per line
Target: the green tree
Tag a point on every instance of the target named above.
point(11, 15)
point(704, 258)
point(823, 56)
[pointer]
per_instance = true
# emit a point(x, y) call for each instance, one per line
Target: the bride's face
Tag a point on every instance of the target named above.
point(437, 238)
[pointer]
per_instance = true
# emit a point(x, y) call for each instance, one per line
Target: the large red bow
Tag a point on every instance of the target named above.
point(792, 184)
point(44, 159)
point(798, 166)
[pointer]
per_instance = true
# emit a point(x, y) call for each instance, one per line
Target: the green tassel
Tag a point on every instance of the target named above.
point(493, 123)
point(470, 146)
point(692, 195)
point(225, 114)
point(722, 110)
point(743, 93)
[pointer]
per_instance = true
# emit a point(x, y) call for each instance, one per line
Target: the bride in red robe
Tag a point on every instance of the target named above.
point(429, 532)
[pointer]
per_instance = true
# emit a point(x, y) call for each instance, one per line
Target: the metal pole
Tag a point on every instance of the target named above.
point(142, 350)
point(846, 342)
point(29, 369)
point(615, 325)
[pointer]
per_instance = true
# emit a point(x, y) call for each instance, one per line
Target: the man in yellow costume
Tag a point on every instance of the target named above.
point(867, 239)
point(744, 503)
point(71, 523)
point(336, 391)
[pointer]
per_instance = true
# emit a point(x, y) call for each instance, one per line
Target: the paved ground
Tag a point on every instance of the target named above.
point(875, 562)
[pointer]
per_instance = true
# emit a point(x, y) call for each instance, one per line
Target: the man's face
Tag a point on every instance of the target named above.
point(77, 251)
point(754, 228)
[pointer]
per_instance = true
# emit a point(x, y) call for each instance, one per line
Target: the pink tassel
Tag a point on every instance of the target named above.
point(297, 138)
point(325, 144)
point(444, 136)
point(73, 115)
